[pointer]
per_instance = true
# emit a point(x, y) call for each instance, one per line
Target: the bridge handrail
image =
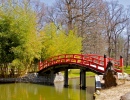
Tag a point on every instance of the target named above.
point(79, 56)
point(115, 62)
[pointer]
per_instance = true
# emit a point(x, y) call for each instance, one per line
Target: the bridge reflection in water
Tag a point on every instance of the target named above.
point(22, 91)
point(74, 88)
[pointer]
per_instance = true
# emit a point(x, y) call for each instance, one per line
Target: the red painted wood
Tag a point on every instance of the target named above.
point(121, 62)
point(93, 61)
point(105, 62)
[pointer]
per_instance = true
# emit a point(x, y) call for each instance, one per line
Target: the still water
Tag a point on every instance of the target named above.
point(27, 91)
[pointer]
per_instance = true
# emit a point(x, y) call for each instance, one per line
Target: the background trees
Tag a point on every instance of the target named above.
point(85, 16)
point(23, 40)
point(30, 30)
point(103, 25)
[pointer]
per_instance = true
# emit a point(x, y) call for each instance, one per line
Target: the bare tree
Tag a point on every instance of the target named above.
point(127, 42)
point(40, 10)
point(93, 38)
point(115, 23)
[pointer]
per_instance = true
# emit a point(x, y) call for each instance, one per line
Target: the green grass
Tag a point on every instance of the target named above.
point(75, 73)
point(90, 74)
point(127, 70)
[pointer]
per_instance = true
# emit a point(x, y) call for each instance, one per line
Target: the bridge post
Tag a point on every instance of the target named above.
point(82, 78)
point(121, 63)
point(66, 77)
point(105, 62)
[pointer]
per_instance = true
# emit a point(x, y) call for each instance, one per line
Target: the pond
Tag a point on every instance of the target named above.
point(28, 91)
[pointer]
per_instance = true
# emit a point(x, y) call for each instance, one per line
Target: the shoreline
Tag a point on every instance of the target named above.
point(33, 78)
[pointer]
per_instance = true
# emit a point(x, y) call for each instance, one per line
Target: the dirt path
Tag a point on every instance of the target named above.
point(114, 93)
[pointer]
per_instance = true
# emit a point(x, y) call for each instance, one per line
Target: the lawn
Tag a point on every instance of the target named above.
point(75, 73)
point(127, 70)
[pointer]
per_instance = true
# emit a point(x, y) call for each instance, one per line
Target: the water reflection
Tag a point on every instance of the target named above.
point(59, 86)
point(24, 91)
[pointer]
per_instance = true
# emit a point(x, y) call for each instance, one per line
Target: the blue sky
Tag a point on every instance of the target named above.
point(123, 2)
point(48, 2)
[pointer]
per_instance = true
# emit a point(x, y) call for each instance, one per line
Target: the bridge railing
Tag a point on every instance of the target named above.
point(94, 61)
point(117, 64)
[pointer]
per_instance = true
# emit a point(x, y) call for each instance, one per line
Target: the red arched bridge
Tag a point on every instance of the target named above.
point(94, 62)
point(85, 62)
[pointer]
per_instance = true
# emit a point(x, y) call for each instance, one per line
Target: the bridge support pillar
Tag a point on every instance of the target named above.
point(82, 79)
point(66, 78)
point(52, 76)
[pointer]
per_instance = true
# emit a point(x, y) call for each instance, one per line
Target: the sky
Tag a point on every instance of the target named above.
point(123, 2)
point(48, 2)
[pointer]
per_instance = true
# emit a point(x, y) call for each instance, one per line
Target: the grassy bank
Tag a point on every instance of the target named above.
point(127, 70)
point(76, 73)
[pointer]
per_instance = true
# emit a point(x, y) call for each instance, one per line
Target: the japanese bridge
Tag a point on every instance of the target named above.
point(84, 62)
